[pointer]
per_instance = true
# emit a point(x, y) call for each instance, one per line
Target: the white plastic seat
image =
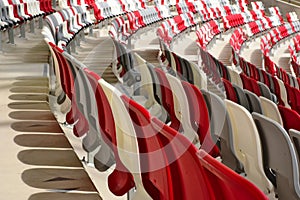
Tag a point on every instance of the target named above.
point(199, 76)
point(235, 78)
point(146, 89)
point(247, 145)
point(283, 93)
point(270, 110)
point(181, 107)
point(126, 138)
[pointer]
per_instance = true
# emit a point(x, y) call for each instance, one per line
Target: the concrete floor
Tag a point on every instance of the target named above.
point(37, 159)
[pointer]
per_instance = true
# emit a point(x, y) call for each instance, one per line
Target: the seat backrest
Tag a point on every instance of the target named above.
point(265, 91)
point(242, 99)
point(67, 80)
point(255, 87)
point(290, 118)
point(230, 92)
point(199, 76)
point(146, 84)
point(104, 158)
point(246, 82)
point(254, 102)
point(86, 102)
point(182, 109)
point(270, 110)
point(283, 161)
point(283, 93)
point(235, 78)
point(226, 183)
point(247, 145)
point(126, 140)
point(295, 137)
point(167, 100)
point(220, 129)
point(184, 178)
point(199, 118)
point(189, 71)
point(55, 63)
point(293, 95)
point(276, 90)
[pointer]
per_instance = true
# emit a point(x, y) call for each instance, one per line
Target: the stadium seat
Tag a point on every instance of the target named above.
point(247, 145)
point(281, 162)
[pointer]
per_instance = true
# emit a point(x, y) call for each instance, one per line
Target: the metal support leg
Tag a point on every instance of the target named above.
point(69, 49)
point(106, 24)
point(129, 43)
point(73, 47)
point(100, 25)
point(82, 36)
point(40, 22)
point(1, 46)
point(90, 157)
point(77, 40)
point(32, 24)
point(22, 30)
point(130, 194)
point(11, 38)
point(91, 31)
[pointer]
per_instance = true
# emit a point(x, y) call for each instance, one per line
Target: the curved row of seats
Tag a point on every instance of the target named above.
point(207, 32)
point(294, 50)
point(184, 173)
point(252, 29)
point(110, 9)
point(124, 26)
point(281, 114)
point(266, 188)
point(134, 164)
point(16, 13)
point(172, 27)
point(274, 36)
point(66, 24)
point(210, 10)
point(286, 116)
point(290, 82)
point(184, 159)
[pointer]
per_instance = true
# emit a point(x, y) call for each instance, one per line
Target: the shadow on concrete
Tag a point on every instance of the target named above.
point(32, 115)
point(29, 105)
point(64, 196)
point(49, 157)
point(29, 97)
point(37, 126)
point(42, 140)
point(58, 179)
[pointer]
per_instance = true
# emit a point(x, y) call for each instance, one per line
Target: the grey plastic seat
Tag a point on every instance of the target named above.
point(279, 155)
point(221, 131)
point(295, 137)
point(242, 99)
point(254, 102)
point(265, 91)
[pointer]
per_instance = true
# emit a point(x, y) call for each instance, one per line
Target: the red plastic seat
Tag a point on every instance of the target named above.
point(230, 92)
point(277, 90)
point(290, 118)
point(226, 183)
point(74, 115)
point(200, 118)
point(120, 180)
point(169, 162)
point(293, 95)
point(167, 99)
